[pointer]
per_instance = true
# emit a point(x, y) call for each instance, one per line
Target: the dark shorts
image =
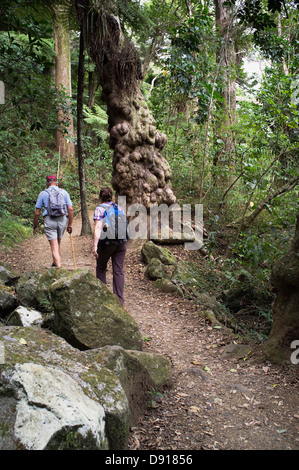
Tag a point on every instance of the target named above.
point(54, 227)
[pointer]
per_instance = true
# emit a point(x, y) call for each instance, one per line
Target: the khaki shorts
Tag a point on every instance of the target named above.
point(54, 227)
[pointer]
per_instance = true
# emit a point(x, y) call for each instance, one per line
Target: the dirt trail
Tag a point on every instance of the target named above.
point(216, 401)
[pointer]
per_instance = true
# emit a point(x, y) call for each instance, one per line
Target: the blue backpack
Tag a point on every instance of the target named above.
point(115, 225)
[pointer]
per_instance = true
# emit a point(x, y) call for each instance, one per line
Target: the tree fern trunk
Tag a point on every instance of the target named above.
point(139, 170)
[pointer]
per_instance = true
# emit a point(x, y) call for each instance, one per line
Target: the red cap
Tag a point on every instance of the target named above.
point(51, 178)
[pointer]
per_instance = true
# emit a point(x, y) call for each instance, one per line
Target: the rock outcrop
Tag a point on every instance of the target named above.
point(72, 372)
point(88, 315)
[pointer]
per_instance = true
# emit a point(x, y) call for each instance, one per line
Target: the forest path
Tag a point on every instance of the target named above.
point(216, 401)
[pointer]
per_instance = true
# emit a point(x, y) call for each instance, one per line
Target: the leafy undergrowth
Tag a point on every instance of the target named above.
point(12, 232)
point(252, 319)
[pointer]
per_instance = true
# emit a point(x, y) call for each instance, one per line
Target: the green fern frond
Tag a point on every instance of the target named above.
point(97, 119)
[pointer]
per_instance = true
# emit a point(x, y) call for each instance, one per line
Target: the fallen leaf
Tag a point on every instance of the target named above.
point(194, 409)
point(22, 341)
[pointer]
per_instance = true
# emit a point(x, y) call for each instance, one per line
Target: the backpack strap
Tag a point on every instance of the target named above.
point(107, 205)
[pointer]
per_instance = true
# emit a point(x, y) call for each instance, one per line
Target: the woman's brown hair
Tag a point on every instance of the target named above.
point(106, 194)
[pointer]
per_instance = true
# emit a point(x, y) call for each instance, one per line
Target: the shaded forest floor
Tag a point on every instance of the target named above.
point(217, 399)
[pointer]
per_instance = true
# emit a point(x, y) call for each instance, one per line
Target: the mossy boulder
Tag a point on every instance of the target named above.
point(184, 277)
point(155, 269)
point(8, 300)
point(168, 236)
point(33, 288)
point(150, 250)
point(182, 272)
point(115, 379)
point(103, 388)
point(138, 372)
point(88, 315)
point(7, 275)
point(165, 285)
point(39, 347)
point(157, 366)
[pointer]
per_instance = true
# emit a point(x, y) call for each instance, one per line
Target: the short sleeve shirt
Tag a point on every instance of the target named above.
point(43, 200)
point(100, 210)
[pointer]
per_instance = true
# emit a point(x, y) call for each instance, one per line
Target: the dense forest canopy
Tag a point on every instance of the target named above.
point(172, 100)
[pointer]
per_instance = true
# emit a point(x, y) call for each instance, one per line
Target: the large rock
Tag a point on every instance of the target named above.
point(165, 285)
point(98, 387)
point(33, 288)
point(52, 411)
point(42, 357)
point(155, 269)
point(23, 316)
point(7, 276)
point(182, 273)
point(8, 300)
point(42, 375)
point(149, 251)
point(88, 315)
point(138, 372)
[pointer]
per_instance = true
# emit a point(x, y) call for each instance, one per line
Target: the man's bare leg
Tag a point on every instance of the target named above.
point(55, 248)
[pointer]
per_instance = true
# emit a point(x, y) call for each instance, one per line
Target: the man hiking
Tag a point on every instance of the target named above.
point(57, 204)
point(114, 247)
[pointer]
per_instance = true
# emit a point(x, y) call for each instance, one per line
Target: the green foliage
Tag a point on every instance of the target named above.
point(98, 120)
point(98, 164)
point(134, 16)
point(185, 95)
point(188, 62)
point(260, 251)
point(12, 231)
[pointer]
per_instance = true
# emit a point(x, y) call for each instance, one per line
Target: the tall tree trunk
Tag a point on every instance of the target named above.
point(86, 228)
point(61, 10)
point(139, 170)
point(226, 59)
point(92, 88)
